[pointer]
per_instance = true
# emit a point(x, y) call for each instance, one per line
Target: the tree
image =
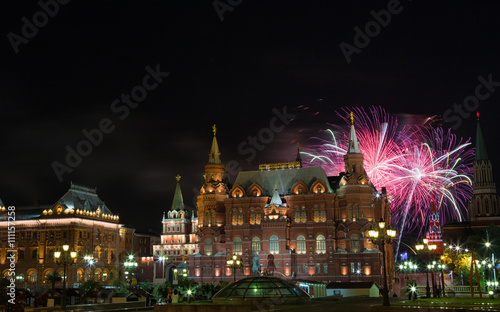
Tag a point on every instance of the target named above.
point(53, 278)
point(4, 282)
point(121, 286)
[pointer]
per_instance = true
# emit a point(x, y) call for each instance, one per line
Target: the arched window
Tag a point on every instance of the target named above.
point(301, 245)
point(33, 277)
point(320, 244)
point(240, 217)
point(274, 245)
point(304, 215)
point(207, 219)
point(255, 245)
point(354, 243)
point(323, 214)
point(238, 248)
point(212, 218)
point(350, 212)
point(235, 217)
point(297, 214)
point(208, 247)
point(252, 216)
point(316, 214)
point(257, 217)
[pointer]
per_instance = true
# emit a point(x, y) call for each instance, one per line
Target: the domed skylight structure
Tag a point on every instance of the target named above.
point(254, 288)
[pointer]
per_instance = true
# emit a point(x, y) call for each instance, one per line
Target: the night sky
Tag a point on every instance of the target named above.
point(235, 66)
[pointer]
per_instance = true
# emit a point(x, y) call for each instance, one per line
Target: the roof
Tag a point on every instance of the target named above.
point(350, 285)
point(284, 179)
point(214, 156)
point(481, 153)
point(178, 201)
point(353, 142)
point(83, 198)
point(28, 212)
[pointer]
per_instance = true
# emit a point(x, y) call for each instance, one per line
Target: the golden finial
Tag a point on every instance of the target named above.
point(352, 119)
point(297, 145)
point(276, 186)
point(178, 177)
point(214, 129)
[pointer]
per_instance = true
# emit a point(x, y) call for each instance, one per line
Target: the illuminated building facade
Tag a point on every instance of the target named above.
point(178, 239)
point(79, 219)
point(300, 223)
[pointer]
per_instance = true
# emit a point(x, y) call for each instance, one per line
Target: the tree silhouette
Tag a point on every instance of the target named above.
point(53, 278)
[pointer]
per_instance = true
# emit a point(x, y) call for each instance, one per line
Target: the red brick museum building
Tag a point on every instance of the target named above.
point(300, 223)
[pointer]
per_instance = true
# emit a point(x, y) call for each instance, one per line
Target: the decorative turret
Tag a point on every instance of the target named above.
point(484, 202)
point(434, 234)
point(354, 171)
point(214, 188)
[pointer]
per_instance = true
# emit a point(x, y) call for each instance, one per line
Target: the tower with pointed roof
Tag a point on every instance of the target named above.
point(484, 204)
point(178, 238)
point(292, 220)
point(214, 189)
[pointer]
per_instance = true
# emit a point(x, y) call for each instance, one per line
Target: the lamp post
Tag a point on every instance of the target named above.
point(488, 245)
point(428, 248)
point(90, 262)
point(64, 258)
point(163, 259)
point(130, 264)
point(235, 263)
point(380, 237)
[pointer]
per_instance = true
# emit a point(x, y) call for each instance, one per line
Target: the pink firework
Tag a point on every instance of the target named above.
point(415, 164)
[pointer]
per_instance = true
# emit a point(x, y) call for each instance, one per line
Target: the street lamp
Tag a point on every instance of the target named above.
point(163, 259)
point(64, 258)
point(428, 248)
point(235, 263)
point(90, 261)
point(488, 245)
point(130, 264)
point(380, 237)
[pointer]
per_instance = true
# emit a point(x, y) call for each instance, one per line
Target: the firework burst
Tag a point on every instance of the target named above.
point(416, 164)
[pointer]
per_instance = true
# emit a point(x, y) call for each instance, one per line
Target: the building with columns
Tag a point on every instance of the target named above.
point(294, 221)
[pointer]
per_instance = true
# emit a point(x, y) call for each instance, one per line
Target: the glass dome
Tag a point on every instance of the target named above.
point(254, 288)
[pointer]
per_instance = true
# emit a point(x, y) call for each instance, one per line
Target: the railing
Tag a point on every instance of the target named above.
point(455, 289)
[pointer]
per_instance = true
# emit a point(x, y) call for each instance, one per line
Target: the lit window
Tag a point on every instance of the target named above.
point(304, 215)
point(301, 245)
point(316, 214)
point(208, 247)
point(235, 217)
point(255, 245)
point(274, 244)
point(320, 244)
point(323, 214)
point(237, 246)
point(325, 268)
